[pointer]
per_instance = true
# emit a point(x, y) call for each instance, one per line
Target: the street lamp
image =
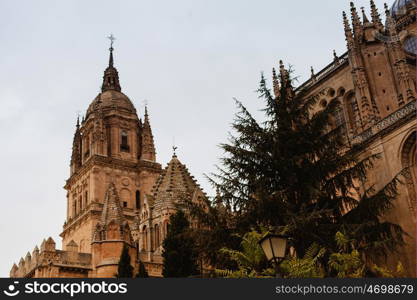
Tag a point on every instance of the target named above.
point(274, 246)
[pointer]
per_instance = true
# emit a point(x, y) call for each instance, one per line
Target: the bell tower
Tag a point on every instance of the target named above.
point(111, 146)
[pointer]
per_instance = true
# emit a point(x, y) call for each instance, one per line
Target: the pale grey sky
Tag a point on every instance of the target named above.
point(186, 58)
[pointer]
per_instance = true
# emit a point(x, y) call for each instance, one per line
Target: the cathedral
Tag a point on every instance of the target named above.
point(118, 194)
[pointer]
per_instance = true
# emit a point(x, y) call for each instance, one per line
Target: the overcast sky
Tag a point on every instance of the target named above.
point(188, 59)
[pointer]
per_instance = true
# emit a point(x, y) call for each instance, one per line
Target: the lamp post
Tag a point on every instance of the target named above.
point(274, 246)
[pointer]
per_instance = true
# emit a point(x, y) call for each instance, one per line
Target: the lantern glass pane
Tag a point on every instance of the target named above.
point(266, 247)
point(279, 244)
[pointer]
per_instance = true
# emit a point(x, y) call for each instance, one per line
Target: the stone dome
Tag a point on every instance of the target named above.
point(400, 7)
point(111, 99)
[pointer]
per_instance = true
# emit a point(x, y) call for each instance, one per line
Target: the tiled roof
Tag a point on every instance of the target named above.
point(174, 184)
point(111, 209)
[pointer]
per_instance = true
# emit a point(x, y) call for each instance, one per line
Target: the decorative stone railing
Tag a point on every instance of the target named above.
point(324, 72)
point(402, 113)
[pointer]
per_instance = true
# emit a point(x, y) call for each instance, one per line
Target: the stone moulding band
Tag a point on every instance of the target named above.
point(393, 118)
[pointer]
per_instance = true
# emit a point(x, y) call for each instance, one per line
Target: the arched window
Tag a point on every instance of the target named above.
point(408, 161)
point(87, 146)
point(339, 116)
point(353, 111)
point(124, 145)
point(125, 198)
point(85, 199)
point(341, 91)
point(75, 207)
point(137, 199)
point(80, 203)
point(156, 231)
point(166, 227)
point(145, 238)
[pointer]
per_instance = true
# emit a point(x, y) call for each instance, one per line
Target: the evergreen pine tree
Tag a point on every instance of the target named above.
point(142, 273)
point(216, 230)
point(294, 173)
point(179, 255)
point(124, 270)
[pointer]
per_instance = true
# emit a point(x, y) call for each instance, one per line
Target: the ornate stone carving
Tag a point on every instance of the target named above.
point(392, 119)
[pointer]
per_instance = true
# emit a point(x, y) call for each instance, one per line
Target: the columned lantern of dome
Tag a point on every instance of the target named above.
point(111, 96)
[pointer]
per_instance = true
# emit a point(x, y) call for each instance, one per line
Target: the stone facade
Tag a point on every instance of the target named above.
point(375, 83)
point(118, 195)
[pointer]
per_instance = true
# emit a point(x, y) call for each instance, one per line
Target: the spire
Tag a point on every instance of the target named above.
point(112, 224)
point(76, 148)
point(35, 252)
point(376, 19)
point(386, 8)
point(148, 146)
point(13, 270)
point(355, 17)
point(275, 83)
point(111, 38)
point(283, 73)
point(112, 211)
point(146, 114)
point(111, 60)
point(390, 22)
point(356, 21)
point(285, 80)
point(111, 76)
point(364, 17)
point(348, 30)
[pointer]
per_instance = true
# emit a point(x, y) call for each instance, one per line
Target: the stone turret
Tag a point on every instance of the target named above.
point(28, 260)
point(376, 19)
point(22, 267)
point(13, 271)
point(148, 146)
point(76, 149)
point(35, 256)
point(35, 252)
point(49, 245)
point(275, 83)
point(111, 234)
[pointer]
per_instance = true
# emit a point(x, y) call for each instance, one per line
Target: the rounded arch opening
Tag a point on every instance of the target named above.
point(352, 109)
point(408, 162)
point(341, 92)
